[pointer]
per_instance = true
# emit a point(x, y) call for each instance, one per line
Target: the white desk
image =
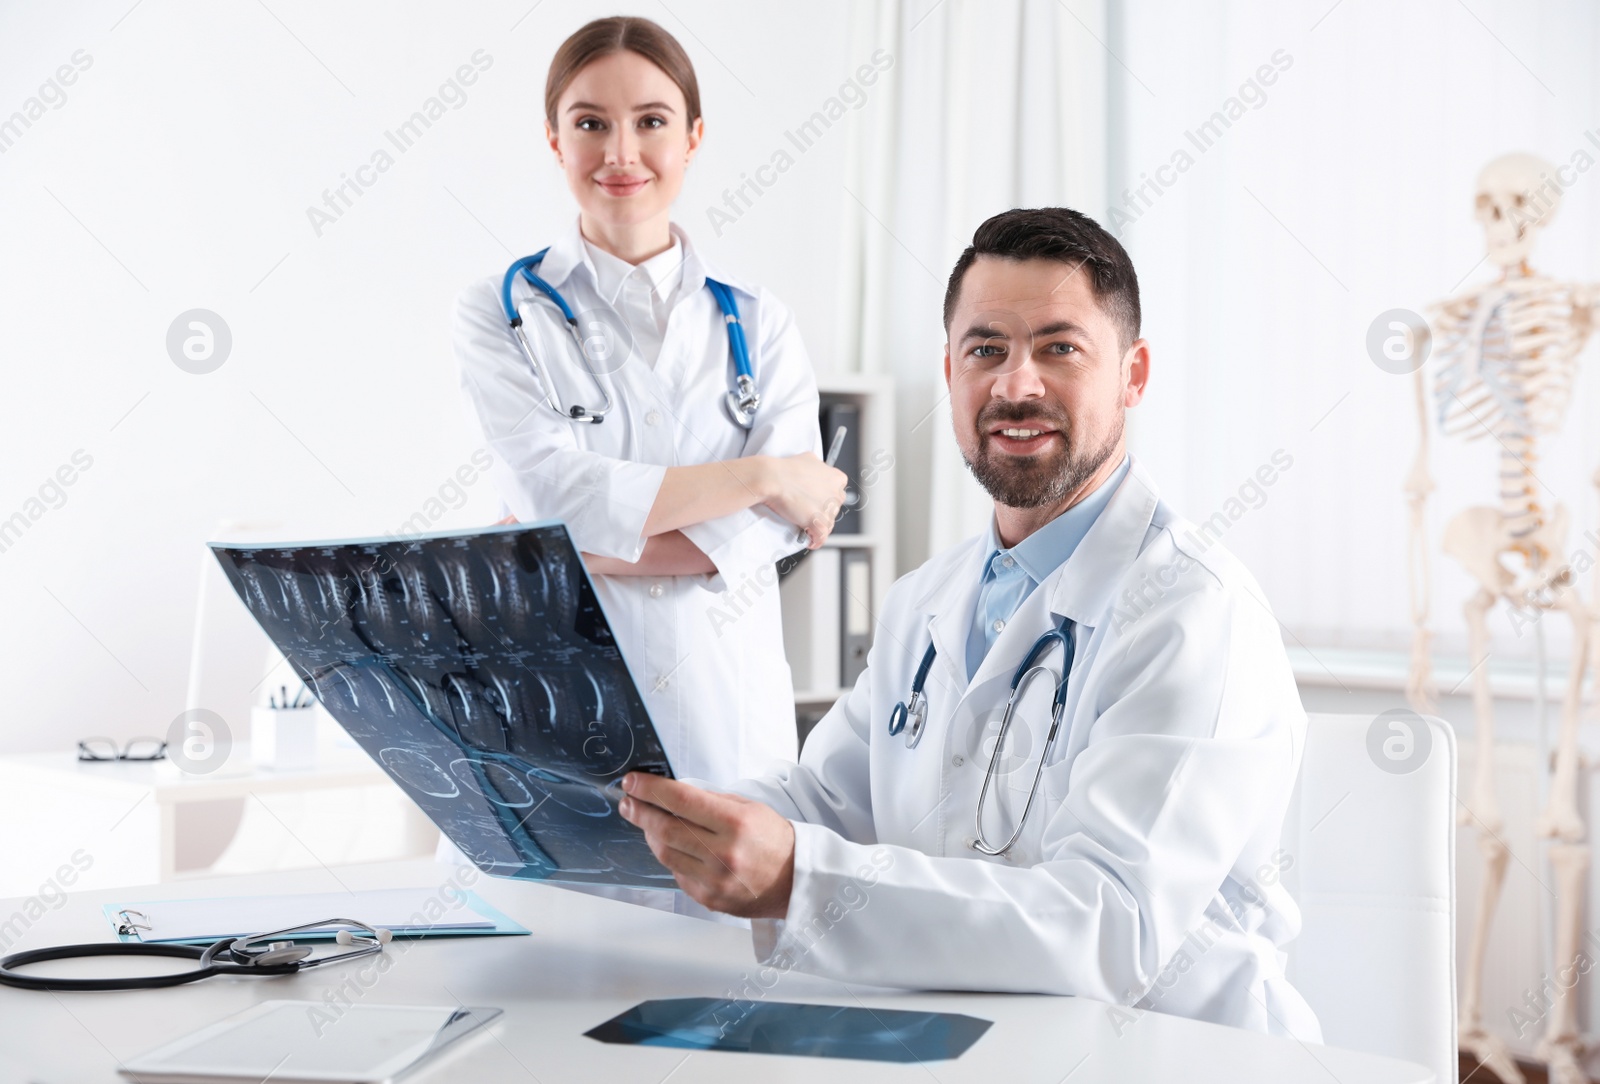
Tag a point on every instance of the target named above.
point(591, 958)
point(124, 814)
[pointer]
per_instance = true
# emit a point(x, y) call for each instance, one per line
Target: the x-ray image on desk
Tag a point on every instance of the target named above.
point(479, 670)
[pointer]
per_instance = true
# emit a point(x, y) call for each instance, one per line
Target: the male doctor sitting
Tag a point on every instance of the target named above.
point(1145, 871)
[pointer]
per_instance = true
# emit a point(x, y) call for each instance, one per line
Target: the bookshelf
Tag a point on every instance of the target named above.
point(817, 597)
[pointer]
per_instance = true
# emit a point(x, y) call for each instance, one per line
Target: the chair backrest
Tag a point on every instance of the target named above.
point(1371, 829)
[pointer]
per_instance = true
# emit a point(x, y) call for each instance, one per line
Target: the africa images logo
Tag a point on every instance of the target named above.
point(1399, 741)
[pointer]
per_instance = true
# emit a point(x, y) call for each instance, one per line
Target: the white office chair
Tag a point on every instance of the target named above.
point(1374, 874)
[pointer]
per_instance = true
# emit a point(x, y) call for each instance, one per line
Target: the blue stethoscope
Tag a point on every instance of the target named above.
point(915, 712)
point(742, 399)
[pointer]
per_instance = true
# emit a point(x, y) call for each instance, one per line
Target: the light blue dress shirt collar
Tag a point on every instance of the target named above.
point(1010, 575)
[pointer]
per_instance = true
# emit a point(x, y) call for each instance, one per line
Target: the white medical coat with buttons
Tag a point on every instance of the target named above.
point(1147, 873)
point(706, 651)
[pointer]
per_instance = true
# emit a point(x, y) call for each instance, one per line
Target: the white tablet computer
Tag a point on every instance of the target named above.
point(310, 1041)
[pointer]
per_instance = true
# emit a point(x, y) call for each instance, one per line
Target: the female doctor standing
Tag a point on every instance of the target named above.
point(682, 469)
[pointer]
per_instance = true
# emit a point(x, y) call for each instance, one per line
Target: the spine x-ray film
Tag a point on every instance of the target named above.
point(479, 670)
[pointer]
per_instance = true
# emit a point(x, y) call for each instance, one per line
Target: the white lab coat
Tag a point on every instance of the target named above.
point(1147, 872)
point(705, 651)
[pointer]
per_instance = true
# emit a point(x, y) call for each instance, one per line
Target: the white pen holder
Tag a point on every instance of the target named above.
point(283, 739)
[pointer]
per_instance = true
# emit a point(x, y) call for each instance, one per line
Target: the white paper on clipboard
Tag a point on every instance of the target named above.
point(394, 909)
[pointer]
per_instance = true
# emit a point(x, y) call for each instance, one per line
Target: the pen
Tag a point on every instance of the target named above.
point(833, 457)
point(837, 446)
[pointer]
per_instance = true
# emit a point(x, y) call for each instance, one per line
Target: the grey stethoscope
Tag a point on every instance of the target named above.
point(915, 713)
point(741, 401)
point(262, 954)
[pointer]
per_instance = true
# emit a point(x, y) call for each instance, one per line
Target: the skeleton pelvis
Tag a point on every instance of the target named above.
point(1479, 537)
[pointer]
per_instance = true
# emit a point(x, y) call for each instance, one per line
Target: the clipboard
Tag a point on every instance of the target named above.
point(405, 912)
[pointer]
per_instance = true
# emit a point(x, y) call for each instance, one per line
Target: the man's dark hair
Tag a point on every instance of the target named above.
point(1058, 233)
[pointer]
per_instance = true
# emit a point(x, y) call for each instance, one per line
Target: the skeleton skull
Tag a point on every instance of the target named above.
point(1517, 196)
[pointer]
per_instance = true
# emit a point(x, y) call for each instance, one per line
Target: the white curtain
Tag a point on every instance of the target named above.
point(987, 106)
point(1340, 189)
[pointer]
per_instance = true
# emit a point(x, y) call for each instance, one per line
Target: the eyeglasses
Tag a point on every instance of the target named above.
point(136, 749)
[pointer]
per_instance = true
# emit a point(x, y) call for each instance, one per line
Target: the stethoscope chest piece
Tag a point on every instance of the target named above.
point(742, 403)
point(910, 718)
point(919, 723)
point(280, 952)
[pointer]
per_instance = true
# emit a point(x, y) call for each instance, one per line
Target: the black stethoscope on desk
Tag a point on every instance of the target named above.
point(911, 717)
point(261, 954)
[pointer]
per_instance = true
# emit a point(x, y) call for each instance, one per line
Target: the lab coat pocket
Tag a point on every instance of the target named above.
point(1055, 779)
point(1073, 736)
point(1063, 754)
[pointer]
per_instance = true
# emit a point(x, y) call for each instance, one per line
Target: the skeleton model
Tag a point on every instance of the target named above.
point(1507, 356)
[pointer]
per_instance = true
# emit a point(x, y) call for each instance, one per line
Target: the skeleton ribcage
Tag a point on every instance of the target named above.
point(1506, 369)
point(1509, 370)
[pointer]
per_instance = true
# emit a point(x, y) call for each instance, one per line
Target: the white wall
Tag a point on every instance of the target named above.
point(1347, 193)
point(176, 175)
point(178, 171)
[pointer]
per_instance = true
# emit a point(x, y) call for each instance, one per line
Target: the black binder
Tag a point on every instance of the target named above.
point(834, 413)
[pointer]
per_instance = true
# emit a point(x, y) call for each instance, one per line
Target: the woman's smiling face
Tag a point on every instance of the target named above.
point(623, 139)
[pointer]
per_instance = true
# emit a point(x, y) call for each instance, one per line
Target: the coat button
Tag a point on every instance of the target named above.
point(653, 418)
point(972, 843)
point(656, 590)
point(958, 760)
